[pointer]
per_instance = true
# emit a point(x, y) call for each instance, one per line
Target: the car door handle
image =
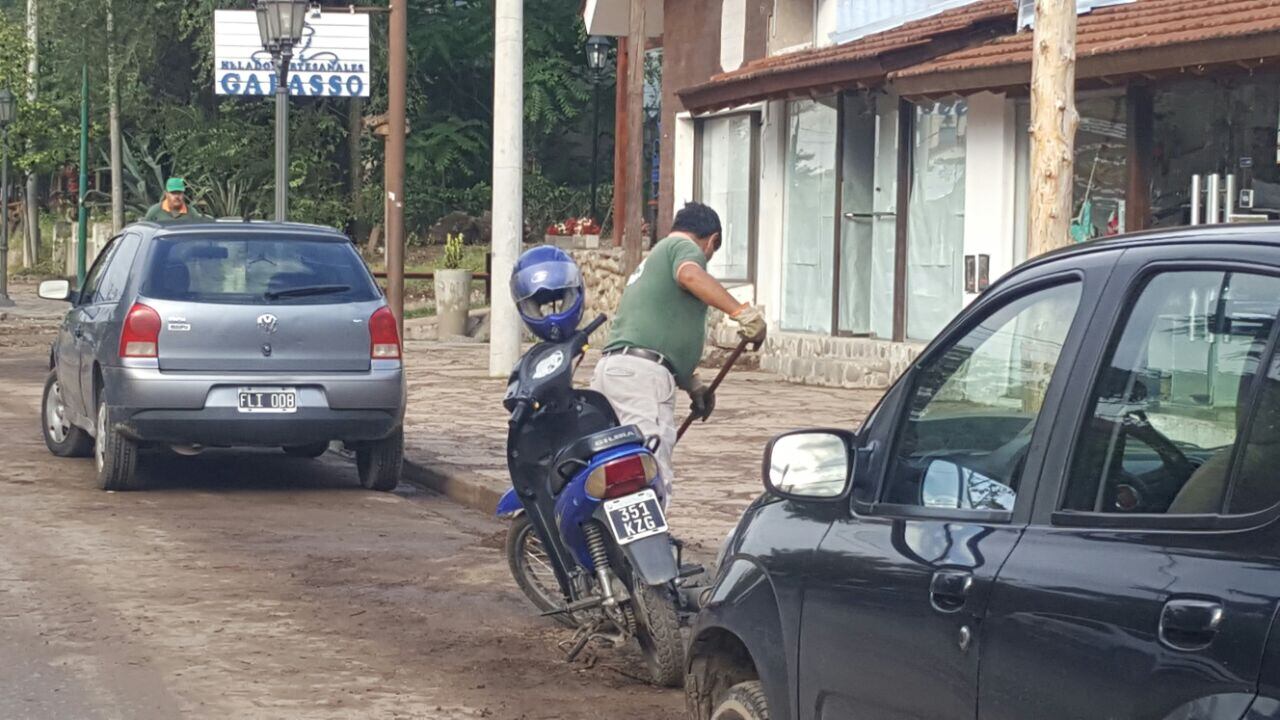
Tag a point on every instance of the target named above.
point(1187, 624)
point(949, 589)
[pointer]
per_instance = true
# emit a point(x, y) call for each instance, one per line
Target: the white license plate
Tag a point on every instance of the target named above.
point(267, 400)
point(635, 516)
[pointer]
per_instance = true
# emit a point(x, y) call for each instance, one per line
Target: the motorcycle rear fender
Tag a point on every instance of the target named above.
point(653, 558)
point(509, 505)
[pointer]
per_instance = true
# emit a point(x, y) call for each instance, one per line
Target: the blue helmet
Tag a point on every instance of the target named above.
point(547, 287)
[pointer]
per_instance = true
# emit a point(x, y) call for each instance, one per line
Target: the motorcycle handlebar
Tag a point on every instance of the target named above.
point(518, 415)
point(594, 324)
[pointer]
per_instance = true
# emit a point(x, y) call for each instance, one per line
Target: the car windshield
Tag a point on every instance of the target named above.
point(254, 271)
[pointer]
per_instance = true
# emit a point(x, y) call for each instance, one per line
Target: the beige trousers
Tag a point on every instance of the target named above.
point(642, 393)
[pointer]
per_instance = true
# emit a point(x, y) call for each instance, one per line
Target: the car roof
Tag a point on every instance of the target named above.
point(1235, 233)
point(237, 227)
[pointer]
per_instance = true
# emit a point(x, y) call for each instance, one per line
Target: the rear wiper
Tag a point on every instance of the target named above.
point(306, 291)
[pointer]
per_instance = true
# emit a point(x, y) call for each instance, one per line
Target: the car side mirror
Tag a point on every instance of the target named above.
point(950, 486)
point(55, 290)
point(811, 465)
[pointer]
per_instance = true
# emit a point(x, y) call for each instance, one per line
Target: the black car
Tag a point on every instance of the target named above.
point(1066, 508)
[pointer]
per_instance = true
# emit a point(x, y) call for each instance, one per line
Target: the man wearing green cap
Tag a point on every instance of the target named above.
point(173, 208)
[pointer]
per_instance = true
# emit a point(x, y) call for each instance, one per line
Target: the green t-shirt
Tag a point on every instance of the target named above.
point(657, 314)
point(157, 213)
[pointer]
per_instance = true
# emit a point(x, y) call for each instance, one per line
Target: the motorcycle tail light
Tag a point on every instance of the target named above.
point(140, 337)
point(623, 476)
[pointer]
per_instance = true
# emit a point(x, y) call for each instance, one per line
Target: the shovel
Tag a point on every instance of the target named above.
point(724, 370)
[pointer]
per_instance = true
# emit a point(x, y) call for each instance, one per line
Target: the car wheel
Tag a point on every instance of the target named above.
point(379, 463)
point(744, 701)
point(314, 450)
point(60, 436)
point(115, 455)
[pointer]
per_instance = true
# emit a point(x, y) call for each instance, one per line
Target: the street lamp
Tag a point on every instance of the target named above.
point(597, 56)
point(280, 24)
point(8, 112)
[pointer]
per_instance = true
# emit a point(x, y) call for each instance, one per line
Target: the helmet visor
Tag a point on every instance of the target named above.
point(548, 303)
point(543, 277)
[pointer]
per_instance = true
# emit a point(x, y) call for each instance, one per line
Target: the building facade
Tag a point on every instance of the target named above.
point(869, 158)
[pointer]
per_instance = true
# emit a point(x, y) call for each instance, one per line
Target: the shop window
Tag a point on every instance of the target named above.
point(1221, 125)
point(1101, 168)
point(727, 152)
point(935, 221)
point(809, 215)
point(869, 218)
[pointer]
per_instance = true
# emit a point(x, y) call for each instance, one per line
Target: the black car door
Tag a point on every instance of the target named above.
point(1147, 581)
point(891, 627)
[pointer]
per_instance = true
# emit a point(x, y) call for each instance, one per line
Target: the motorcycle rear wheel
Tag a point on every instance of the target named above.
point(658, 631)
point(531, 569)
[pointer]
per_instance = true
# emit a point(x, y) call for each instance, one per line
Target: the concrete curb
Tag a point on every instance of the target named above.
point(453, 484)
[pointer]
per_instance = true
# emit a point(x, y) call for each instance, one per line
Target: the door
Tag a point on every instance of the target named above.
point(868, 214)
point(1145, 587)
point(77, 392)
point(890, 631)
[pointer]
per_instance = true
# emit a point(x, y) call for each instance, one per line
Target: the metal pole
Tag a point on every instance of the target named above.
point(508, 192)
point(1229, 200)
point(1195, 199)
point(282, 134)
point(398, 75)
point(1214, 202)
point(82, 247)
point(595, 144)
point(4, 220)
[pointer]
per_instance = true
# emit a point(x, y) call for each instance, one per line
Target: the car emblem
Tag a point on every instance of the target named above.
point(267, 323)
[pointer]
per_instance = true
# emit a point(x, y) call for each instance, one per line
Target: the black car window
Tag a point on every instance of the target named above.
point(257, 271)
point(964, 441)
point(115, 275)
point(1255, 486)
point(1172, 397)
point(92, 279)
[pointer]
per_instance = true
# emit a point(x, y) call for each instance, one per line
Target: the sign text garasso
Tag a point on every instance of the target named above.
point(331, 61)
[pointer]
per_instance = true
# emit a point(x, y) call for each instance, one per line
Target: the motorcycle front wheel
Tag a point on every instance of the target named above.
point(658, 631)
point(531, 567)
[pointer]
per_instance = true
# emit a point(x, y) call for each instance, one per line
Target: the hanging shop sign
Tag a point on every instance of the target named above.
point(331, 61)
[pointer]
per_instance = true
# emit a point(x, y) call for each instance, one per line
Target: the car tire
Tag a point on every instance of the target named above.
point(379, 463)
point(60, 436)
point(744, 701)
point(115, 455)
point(314, 450)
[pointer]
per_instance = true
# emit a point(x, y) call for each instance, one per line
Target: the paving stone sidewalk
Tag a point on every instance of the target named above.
point(456, 435)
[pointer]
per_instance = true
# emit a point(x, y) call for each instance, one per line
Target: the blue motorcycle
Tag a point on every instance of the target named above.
point(589, 543)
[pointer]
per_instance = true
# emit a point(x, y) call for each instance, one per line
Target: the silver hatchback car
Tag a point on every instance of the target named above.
point(244, 334)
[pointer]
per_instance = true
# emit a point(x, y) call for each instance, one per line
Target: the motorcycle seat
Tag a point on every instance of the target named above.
point(578, 455)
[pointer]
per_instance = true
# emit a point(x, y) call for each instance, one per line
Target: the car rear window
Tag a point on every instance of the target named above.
point(253, 271)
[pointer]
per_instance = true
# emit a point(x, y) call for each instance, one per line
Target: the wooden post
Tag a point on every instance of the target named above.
point(1053, 125)
point(1141, 135)
point(633, 238)
point(620, 146)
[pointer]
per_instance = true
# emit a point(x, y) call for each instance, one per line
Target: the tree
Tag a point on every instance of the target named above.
point(1053, 124)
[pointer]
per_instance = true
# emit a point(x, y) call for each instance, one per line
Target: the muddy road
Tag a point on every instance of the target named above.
point(260, 586)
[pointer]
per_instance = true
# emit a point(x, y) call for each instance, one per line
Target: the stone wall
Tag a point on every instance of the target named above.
point(859, 363)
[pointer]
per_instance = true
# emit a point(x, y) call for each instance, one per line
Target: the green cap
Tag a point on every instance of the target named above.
point(175, 185)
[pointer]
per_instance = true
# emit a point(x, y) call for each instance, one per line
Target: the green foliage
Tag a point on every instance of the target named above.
point(452, 252)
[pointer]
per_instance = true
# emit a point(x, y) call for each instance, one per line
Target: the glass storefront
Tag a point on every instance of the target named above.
point(935, 221)
point(727, 146)
point(1101, 167)
point(1220, 125)
point(869, 203)
point(809, 215)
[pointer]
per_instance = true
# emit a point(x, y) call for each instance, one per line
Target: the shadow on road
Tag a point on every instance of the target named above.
point(244, 471)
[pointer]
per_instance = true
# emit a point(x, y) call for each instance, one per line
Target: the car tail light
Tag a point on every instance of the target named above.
point(140, 337)
point(384, 339)
point(623, 476)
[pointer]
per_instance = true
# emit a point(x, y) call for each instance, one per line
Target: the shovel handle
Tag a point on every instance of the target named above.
point(719, 378)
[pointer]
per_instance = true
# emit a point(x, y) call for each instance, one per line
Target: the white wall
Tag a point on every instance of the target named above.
point(733, 34)
point(682, 164)
point(773, 146)
point(989, 182)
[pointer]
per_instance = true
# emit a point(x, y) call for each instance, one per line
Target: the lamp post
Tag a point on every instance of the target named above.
point(280, 24)
point(597, 56)
point(8, 111)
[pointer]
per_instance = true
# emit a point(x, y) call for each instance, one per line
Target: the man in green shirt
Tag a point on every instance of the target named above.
point(173, 208)
point(659, 331)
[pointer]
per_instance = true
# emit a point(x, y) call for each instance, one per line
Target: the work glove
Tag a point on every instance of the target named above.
point(703, 400)
point(751, 324)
